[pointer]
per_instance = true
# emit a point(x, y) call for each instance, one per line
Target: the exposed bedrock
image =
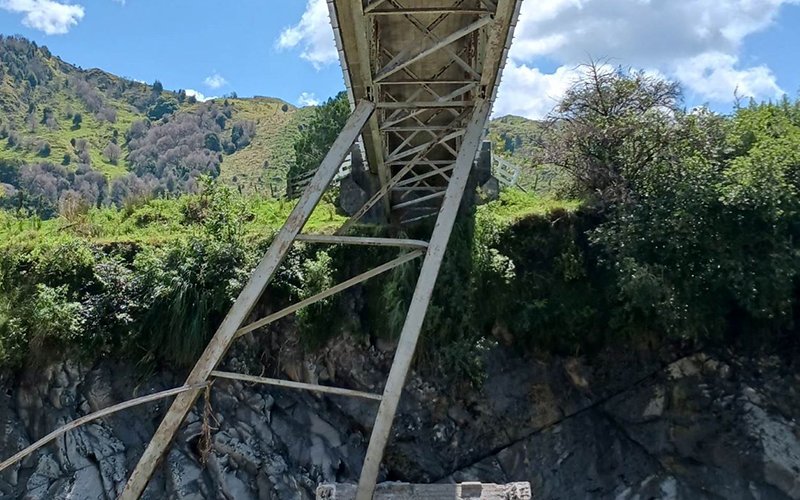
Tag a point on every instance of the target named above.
point(634, 426)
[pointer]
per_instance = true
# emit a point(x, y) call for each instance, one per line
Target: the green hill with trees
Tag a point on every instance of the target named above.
point(682, 229)
point(68, 133)
point(667, 226)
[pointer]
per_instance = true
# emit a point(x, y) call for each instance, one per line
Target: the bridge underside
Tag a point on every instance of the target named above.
point(422, 77)
point(427, 66)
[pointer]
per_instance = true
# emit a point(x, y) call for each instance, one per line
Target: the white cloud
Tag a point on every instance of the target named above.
point(308, 99)
point(49, 16)
point(714, 76)
point(215, 81)
point(521, 82)
point(198, 95)
point(313, 34)
point(697, 42)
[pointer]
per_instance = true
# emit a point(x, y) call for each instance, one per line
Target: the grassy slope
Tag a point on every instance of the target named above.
point(265, 162)
point(98, 133)
point(515, 138)
point(154, 222)
point(161, 220)
point(518, 140)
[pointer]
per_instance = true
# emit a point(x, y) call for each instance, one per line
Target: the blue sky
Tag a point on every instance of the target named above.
point(184, 42)
point(284, 48)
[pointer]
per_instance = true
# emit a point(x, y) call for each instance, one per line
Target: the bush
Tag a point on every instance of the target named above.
point(314, 140)
point(710, 244)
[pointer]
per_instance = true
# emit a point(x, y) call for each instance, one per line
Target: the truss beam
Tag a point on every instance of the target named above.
point(404, 60)
point(328, 293)
point(363, 241)
point(427, 10)
point(247, 299)
point(96, 416)
point(338, 391)
point(419, 303)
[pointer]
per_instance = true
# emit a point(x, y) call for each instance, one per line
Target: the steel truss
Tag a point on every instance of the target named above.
point(232, 326)
point(422, 118)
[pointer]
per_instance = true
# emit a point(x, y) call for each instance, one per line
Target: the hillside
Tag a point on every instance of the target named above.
point(70, 123)
point(61, 125)
point(516, 138)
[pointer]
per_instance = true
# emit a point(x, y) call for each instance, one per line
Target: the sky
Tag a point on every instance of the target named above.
point(717, 49)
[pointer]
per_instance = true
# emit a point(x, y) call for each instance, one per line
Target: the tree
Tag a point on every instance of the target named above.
point(77, 119)
point(158, 87)
point(212, 142)
point(163, 106)
point(47, 115)
point(242, 133)
point(610, 127)
point(108, 114)
point(112, 153)
point(83, 151)
point(314, 141)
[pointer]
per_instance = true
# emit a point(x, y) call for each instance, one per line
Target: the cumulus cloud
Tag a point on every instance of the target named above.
point(215, 81)
point(49, 16)
point(198, 95)
point(307, 99)
point(697, 42)
point(715, 76)
point(313, 35)
point(527, 91)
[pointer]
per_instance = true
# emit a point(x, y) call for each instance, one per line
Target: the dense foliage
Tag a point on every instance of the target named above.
point(150, 280)
point(316, 137)
point(686, 230)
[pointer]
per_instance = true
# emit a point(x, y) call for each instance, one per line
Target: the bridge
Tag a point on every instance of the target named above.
point(432, 69)
point(422, 76)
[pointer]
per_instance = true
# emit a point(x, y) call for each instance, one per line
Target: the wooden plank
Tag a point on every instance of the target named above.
point(247, 299)
point(420, 300)
point(94, 416)
point(403, 491)
point(296, 385)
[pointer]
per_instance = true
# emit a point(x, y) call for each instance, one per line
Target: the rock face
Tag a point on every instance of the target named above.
point(639, 426)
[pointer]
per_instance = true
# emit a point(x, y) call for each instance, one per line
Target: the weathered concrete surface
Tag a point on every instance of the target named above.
point(632, 426)
point(406, 491)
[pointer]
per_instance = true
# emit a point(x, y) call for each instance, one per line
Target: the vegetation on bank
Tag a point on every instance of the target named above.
point(686, 230)
point(152, 281)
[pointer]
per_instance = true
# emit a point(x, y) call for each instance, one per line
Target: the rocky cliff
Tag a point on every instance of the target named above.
point(635, 426)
